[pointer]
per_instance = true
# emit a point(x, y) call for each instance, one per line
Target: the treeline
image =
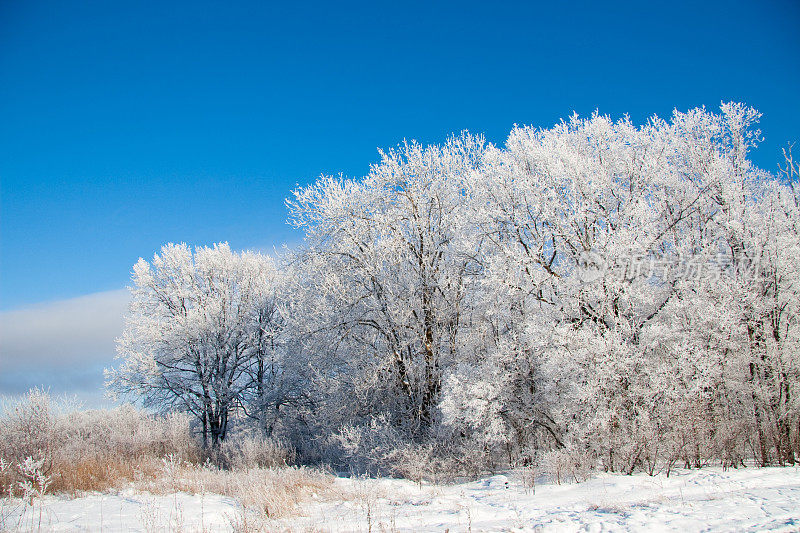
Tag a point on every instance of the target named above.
point(597, 295)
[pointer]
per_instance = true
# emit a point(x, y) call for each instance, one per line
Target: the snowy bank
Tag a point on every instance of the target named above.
point(751, 499)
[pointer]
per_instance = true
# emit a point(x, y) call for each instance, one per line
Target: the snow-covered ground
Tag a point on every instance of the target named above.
point(124, 511)
point(699, 500)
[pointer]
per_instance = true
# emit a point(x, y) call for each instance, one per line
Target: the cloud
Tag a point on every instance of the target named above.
point(62, 345)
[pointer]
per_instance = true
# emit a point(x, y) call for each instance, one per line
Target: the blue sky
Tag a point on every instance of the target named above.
point(127, 125)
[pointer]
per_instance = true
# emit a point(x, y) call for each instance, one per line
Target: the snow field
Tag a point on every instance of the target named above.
point(710, 499)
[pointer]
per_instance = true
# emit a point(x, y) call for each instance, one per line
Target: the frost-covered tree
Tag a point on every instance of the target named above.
point(275, 375)
point(199, 334)
point(639, 273)
point(391, 255)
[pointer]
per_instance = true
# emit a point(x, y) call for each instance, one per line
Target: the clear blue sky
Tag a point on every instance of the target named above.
point(124, 125)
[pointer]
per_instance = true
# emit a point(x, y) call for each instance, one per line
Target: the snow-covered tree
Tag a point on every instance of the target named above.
point(637, 273)
point(199, 333)
point(392, 254)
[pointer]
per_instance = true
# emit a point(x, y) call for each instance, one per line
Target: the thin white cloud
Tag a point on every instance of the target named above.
point(62, 345)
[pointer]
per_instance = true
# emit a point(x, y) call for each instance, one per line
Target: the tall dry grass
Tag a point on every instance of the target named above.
point(52, 448)
point(269, 492)
point(107, 449)
point(88, 450)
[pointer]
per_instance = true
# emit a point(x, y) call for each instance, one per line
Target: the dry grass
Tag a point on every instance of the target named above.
point(105, 450)
point(102, 473)
point(92, 450)
point(100, 450)
point(270, 492)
